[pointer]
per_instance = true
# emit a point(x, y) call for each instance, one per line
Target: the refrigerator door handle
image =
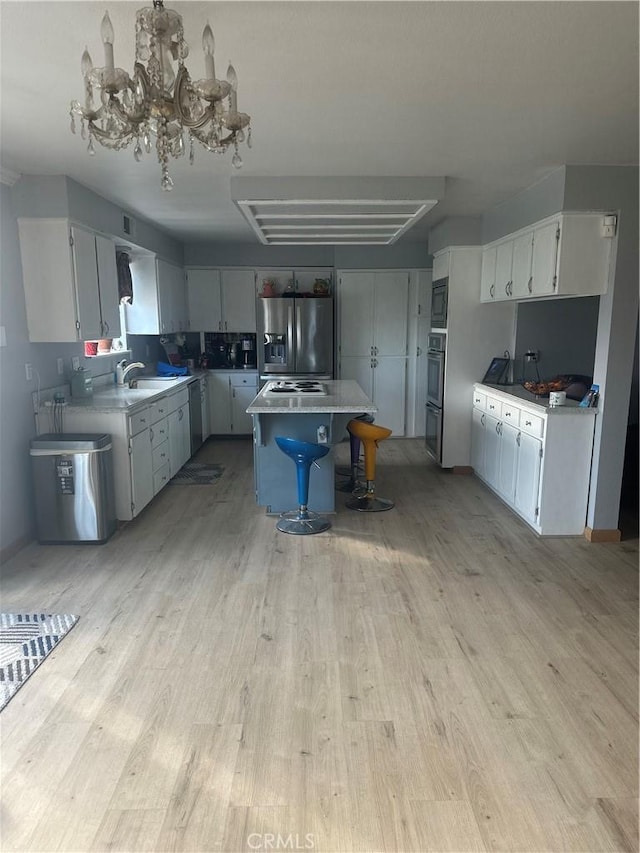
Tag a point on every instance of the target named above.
point(290, 338)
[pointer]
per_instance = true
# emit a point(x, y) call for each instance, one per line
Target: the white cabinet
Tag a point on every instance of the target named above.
point(221, 300)
point(179, 429)
point(536, 459)
point(373, 317)
point(229, 395)
point(70, 282)
point(204, 407)
point(159, 299)
point(140, 477)
point(563, 255)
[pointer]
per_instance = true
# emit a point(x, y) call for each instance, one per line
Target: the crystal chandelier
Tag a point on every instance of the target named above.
point(157, 101)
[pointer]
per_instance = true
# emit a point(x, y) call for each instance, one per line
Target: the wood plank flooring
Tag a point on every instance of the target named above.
point(434, 678)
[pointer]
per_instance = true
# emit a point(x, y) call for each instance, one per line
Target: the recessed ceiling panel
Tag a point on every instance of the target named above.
point(332, 221)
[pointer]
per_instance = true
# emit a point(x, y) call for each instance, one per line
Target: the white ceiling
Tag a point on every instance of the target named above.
point(492, 95)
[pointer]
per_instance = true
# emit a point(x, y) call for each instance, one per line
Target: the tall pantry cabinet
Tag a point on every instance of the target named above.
point(373, 320)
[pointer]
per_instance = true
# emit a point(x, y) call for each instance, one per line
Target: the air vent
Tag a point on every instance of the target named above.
point(128, 225)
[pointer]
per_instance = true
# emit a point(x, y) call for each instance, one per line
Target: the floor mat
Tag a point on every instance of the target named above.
point(197, 474)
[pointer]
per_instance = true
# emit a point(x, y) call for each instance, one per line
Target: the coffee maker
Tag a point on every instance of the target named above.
point(233, 354)
point(248, 353)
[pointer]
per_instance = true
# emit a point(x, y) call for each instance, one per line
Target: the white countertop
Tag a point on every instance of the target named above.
point(343, 395)
point(533, 403)
point(121, 398)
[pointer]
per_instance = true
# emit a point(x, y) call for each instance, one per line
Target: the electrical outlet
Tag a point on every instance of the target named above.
point(60, 366)
point(322, 434)
point(75, 363)
point(28, 372)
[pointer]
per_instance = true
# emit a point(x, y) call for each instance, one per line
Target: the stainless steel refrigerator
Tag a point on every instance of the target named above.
point(295, 337)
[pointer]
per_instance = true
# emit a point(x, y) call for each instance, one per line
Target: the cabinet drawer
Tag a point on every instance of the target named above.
point(160, 478)
point(159, 432)
point(479, 400)
point(141, 420)
point(158, 410)
point(160, 456)
point(532, 424)
point(510, 414)
point(180, 398)
point(494, 407)
point(245, 381)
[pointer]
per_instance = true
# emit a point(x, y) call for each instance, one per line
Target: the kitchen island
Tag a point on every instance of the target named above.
point(303, 417)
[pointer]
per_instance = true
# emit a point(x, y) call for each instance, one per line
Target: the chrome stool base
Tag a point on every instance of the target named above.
point(369, 503)
point(302, 522)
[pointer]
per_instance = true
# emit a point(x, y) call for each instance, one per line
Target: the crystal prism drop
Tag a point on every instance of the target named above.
point(90, 147)
point(240, 136)
point(83, 130)
point(236, 161)
point(249, 143)
point(147, 143)
point(191, 153)
point(73, 123)
point(167, 183)
point(137, 152)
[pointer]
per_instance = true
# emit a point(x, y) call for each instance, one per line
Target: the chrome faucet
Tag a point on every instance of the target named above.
point(122, 373)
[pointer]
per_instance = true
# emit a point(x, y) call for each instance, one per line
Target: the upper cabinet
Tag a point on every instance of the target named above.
point(221, 300)
point(70, 282)
point(159, 299)
point(564, 255)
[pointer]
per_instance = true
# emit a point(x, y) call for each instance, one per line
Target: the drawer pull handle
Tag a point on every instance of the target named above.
point(527, 423)
point(143, 421)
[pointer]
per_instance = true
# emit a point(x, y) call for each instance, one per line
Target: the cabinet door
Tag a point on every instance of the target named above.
point(390, 319)
point(108, 286)
point(241, 422)
point(390, 392)
point(491, 450)
point(171, 301)
point(86, 280)
point(356, 314)
point(238, 300)
point(360, 370)
point(521, 266)
point(203, 295)
point(204, 403)
point(488, 277)
point(175, 444)
point(184, 423)
point(545, 255)
point(219, 403)
point(528, 477)
point(441, 266)
point(141, 471)
point(180, 307)
point(507, 466)
point(478, 441)
point(504, 260)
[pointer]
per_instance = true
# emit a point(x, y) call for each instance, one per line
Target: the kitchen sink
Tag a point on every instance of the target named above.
point(160, 382)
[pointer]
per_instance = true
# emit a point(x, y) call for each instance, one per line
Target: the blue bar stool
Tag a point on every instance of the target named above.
point(354, 469)
point(304, 454)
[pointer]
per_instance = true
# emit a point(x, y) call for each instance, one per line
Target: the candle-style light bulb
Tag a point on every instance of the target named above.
point(106, 32)
point(86, 65)
point(208, 46)
point(232, 80)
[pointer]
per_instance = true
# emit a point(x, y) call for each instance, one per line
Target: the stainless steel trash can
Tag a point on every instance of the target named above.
point(73, 485)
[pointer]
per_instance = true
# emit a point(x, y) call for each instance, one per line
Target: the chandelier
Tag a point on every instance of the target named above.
point(158, 102)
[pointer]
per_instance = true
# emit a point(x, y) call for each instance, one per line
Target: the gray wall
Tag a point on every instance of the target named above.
point(563, 331)
point(456, 231)
point(402, 254)
point(542, 199)
point(38, 196)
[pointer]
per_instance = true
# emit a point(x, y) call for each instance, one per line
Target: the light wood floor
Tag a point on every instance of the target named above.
point(434, 678)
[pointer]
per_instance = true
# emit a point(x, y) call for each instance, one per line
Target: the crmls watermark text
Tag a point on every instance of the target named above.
point(276, 841)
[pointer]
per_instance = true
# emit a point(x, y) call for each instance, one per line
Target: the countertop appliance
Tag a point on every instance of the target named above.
point(439, 303)
point(195, 415)
point(437, 344)
point(295, 389)
point(295, 336)
point(248, 352)
point(73, 487)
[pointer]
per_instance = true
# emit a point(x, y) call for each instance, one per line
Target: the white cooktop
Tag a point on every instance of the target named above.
point(292, 388)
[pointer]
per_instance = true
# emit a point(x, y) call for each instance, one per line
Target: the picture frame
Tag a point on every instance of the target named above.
point(496, 371)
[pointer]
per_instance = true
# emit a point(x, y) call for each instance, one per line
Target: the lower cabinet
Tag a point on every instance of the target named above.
point(229, 395)
point(204, 407)
point(538, 461)
point(140, 479)
point(383, 380)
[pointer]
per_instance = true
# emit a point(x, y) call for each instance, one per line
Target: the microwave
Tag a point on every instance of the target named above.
point(439, 300)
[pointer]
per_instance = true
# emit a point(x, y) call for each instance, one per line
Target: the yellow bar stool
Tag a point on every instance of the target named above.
point(369, 435)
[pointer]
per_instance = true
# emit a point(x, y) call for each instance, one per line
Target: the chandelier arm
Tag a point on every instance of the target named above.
point(222, 143)
point(182, 81)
